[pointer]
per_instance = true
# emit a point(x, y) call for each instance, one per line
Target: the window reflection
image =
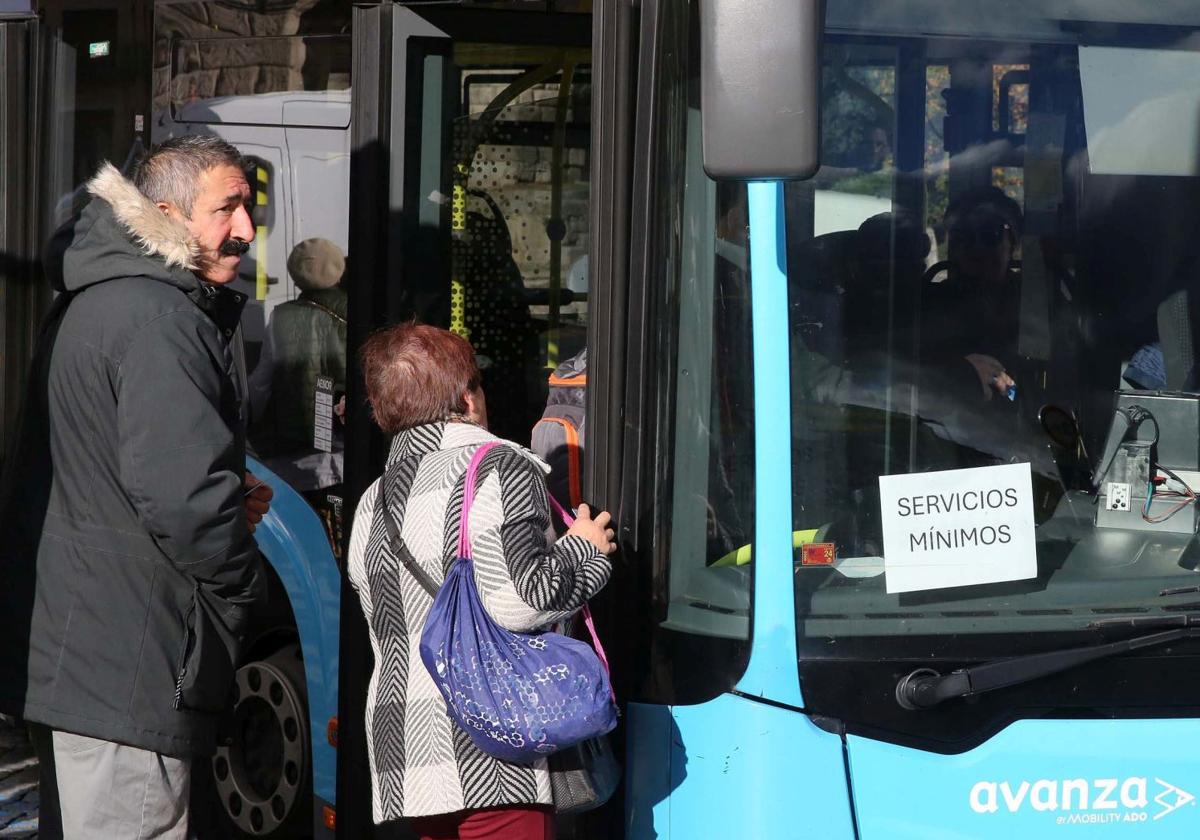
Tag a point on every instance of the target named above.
point(274, 79)
point(972, 261)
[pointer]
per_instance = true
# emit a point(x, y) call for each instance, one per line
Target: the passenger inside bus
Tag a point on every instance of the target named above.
point(870, 291)
point(496, 314)
point(909, 370)
point(305, 343)
point(940, 372)
point(973, 309)
point(883, 277)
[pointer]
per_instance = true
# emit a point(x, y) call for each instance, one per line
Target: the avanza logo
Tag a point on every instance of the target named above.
point(1082, 800)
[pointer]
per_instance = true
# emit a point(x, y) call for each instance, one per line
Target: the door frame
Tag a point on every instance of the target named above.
point(23, 295)
point(381, 287)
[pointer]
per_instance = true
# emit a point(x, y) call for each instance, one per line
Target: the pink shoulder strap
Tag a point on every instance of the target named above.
point(464, 538)
point(568, 520)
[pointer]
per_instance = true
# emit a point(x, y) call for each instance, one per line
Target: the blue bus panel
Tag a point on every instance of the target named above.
point(294, 542)
point(1037, 778)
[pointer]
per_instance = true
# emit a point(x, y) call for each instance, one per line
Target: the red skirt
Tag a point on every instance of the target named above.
point(516, 822)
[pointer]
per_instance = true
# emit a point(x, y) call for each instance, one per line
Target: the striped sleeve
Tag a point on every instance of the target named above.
point(525, 581)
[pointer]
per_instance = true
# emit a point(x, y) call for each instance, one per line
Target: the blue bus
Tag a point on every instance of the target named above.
point(855, 268)
point(893, 388)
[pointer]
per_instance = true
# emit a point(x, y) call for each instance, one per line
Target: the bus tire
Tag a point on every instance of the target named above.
point(262, 768)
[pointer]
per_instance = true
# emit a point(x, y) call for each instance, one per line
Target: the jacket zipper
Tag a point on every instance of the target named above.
point(188, 641)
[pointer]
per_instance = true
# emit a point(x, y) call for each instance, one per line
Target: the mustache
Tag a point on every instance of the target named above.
point(234, 247)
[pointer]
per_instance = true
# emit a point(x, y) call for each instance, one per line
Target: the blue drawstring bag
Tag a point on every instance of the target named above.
point(519, 696)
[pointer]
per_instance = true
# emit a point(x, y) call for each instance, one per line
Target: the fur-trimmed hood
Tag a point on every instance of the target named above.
point(122, 233)
point(158, 234)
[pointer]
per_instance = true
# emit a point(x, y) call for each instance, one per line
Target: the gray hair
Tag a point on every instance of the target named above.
point(171, 171)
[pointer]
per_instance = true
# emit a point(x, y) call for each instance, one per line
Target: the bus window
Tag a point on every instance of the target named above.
point(857, 136)
point(497, 247)
point(323, 71)
point(703, 366)
point(284, 101)
point(701, 643)
point(1025, 295)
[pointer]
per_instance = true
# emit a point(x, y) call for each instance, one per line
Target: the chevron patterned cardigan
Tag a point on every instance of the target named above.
point(421, 762)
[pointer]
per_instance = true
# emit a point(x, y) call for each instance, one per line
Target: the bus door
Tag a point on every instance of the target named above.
point(470, 177)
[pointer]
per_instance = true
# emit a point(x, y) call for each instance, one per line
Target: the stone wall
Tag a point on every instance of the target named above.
point(239, 67)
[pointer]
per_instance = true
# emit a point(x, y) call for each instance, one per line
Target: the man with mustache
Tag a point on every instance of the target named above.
point(130, 571)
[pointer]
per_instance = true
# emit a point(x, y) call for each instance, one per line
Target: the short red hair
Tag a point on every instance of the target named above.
point(417, 374)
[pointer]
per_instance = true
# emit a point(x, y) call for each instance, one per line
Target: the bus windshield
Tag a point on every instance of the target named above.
point(993, 286)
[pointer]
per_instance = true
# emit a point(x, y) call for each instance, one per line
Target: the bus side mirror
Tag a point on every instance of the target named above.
point(760, 87)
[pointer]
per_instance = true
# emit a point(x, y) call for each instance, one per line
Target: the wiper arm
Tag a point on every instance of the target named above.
point(926, 688)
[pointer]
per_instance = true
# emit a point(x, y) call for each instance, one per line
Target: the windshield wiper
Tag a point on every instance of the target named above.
point(925, 688)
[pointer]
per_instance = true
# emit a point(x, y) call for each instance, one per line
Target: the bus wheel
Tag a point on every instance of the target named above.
point(262, 766)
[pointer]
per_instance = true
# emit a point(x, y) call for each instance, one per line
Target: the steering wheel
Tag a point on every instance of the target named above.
point(944, 265)
point(933, 271)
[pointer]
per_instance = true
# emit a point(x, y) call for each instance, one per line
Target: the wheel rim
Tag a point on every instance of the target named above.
point(261, 763)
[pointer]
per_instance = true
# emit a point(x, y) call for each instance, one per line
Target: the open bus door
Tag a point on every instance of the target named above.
point(493, 155)
point(470, 173)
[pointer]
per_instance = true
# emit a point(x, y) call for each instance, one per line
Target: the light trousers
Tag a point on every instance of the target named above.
point(109, 790)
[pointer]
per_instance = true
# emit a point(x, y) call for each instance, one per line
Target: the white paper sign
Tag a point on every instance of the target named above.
point(957, 527)
point(323, 415)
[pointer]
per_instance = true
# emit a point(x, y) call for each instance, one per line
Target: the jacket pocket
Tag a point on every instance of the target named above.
point(207, 658)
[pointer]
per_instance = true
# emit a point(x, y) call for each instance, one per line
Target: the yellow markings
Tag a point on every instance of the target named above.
point(261, 198)
point(458, 310)
point(260, 262)
point(458, 208)
point(458, 224)
point(742, 556)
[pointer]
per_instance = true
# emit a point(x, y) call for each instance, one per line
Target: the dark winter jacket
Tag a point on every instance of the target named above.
point(127, 570)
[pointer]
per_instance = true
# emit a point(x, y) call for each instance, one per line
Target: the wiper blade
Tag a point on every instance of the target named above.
point(1138, 622)
point(1178, 590)
point(926, 688)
